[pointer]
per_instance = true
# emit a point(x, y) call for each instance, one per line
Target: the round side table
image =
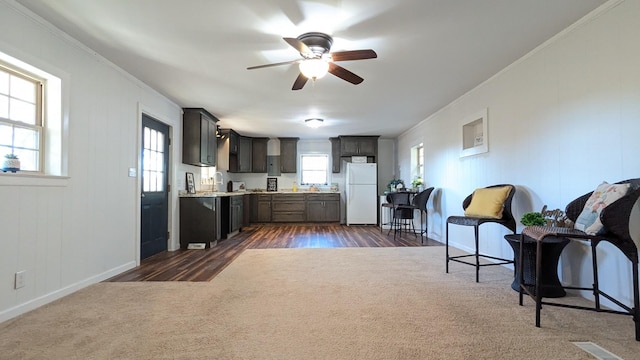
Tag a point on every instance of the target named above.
point(550, 256)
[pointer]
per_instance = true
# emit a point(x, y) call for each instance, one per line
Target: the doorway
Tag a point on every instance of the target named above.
point(154, 211)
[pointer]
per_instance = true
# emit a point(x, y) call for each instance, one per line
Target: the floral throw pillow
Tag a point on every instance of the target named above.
point(603, 195)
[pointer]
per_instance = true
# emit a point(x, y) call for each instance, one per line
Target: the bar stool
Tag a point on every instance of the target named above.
point(402, 213)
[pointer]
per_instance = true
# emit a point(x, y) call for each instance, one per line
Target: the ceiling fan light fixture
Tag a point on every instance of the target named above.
point(314, 122)
point(314, 68)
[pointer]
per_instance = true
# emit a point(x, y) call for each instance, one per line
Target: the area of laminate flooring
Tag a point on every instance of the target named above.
point(204, 265)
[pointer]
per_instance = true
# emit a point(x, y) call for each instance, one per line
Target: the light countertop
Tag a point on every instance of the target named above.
point(239, 193)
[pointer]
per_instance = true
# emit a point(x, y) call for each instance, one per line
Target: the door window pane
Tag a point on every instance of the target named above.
point(152, 161)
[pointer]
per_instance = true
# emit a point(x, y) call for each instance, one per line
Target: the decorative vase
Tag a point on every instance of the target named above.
point(11, 165)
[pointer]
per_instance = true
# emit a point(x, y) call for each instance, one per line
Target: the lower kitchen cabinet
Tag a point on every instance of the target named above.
point(288, 208)
point(260, 208)
point(235, 213)
point(199, 221)
point(291, 207)
point(323, 207)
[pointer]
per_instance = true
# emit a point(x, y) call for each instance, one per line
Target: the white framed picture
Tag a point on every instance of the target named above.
point(191, 183)
point(475, 139)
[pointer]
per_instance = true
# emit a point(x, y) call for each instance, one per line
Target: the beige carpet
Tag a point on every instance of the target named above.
point(346, 303)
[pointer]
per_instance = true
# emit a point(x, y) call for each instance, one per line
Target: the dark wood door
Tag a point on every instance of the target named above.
point(155, 193)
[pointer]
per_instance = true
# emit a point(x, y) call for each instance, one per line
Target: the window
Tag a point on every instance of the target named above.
point(417, 162)
point(314, 169)
point(153, 153)
point(21, 125)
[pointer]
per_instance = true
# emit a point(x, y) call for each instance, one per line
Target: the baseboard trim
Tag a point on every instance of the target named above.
point(57, 294)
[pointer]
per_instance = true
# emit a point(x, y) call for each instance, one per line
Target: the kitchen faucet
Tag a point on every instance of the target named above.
point(218, 179)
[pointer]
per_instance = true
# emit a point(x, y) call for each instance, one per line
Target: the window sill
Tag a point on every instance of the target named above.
point(25, 179)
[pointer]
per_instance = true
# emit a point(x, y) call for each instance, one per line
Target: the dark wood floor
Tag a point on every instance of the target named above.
point(204, 265)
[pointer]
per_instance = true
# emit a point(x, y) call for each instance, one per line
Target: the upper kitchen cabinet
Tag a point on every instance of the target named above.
point(288, 154)
point(199, 143)
point(235, 152)
point(359, 146)
point(335, 155)
point(259, 158)
point(245, 154)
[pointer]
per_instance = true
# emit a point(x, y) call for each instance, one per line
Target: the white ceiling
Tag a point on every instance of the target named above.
point(196, 52)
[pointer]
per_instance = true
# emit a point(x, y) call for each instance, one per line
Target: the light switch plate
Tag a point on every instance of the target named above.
point(132, 172)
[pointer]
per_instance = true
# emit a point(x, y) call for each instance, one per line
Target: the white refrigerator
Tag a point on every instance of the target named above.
point(361, 193)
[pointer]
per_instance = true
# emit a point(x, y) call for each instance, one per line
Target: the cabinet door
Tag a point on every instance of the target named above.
point(332, 211)
point(208, 142)
point(315, 211)
point(199, 142)
point(288, 155)
point(335, 155)
point(368, 146)
point(233, 142)
point(348, 146)
point(236, 213)
point(259, 158)
point(244, 154)
point(264, 211)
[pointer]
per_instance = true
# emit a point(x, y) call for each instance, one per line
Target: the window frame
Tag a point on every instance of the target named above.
point(39, 121)
point(326, 170)
point(417, 161)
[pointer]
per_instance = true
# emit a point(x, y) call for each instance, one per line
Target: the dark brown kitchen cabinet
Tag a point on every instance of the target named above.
point(260, 208)
point(238, 153)
point(244, 154)
point(199, 221)
point(246, 210)
point(288, 155)
point(236, 212)
point(323, 207)
point(199, 142)
point(335, 155)
point(288, 208)
point(259, 152)
point(359, 146)
point(233, 140)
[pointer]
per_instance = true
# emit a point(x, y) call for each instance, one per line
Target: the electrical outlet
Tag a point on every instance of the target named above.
point(20, 279)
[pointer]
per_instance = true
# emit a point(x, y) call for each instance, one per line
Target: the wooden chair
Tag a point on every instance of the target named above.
point(615, 219)
point(505, 220)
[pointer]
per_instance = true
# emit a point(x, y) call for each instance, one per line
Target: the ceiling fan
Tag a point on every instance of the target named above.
point(316, 59)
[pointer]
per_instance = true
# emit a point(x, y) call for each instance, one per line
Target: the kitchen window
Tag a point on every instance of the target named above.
point(314, 169)
point(417, 161)
point(21, 124)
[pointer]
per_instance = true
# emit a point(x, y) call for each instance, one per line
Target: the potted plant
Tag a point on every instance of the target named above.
point(395, 185)
point(11, 163)
point(417, 183)
point(533, 218)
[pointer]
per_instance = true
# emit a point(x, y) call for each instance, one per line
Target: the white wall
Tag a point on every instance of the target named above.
point(561, 120)
point(70, 232)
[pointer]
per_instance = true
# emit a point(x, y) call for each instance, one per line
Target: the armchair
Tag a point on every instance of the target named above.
point(615, 219)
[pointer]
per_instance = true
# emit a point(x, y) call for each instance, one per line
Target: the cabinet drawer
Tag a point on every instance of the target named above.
point(323, 197)
point(263, 197)
point(288, 206)
point(287, 216)
point(288, 197)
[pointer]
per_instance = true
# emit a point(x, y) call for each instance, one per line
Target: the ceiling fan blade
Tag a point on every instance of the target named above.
point(275, 64)
point(300, 46)
point(353, 55)
point(301, 80)
point(344, 74)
